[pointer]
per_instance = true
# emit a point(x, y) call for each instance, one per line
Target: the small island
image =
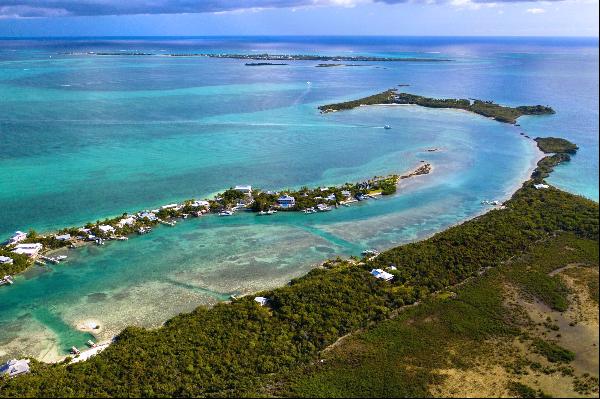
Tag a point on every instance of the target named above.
point(486, 108)
point(263, 63)
point(337, 65)
point(271, 57)
point(24, 249)
point(560, 148)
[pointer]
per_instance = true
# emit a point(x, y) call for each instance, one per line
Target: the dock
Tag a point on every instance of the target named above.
point(51, 260)
point(171, 224)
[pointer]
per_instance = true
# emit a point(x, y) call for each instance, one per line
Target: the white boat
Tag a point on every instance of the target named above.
point(225, 213)
point(262, 213)
point(122, 238)
point(323, 208)
point(74, 351)
point(271, 211)
point(6, 280)
point(61, 257)
point(387, 127)
point(91, 343)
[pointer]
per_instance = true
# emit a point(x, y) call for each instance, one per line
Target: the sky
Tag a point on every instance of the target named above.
point(27, 18)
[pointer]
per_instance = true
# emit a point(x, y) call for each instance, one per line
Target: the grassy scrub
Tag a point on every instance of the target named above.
point(403, 356)
point(241, 348)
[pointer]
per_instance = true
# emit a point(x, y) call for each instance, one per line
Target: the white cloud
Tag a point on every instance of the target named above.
point(535, 10)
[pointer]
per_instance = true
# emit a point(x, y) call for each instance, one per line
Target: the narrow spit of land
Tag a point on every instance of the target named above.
point(486, 108)
point(271, 57)
point(240, 198)
point(245, 349)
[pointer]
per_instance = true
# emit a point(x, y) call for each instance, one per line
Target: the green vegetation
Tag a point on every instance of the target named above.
point(556, 145)
point(523, 391)
point(386, 97)
point(553, 352)
point(244, 349)
point(560, 148)
point(485, 108)
point(403, 356)
point(20, 263)
point(546, 165)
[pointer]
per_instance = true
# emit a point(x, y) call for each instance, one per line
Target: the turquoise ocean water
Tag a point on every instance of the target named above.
point(84, 137)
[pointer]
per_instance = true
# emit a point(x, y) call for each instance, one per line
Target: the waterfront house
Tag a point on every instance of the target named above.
point(63, 237)
point(244, 189)
point(200, 204)
point(261, 300)
point(361, 197)
point(30, 250)
point(330, 197)
point(128, 221)
point(148, 215)
point(16, 238)
point(286, 201)
point(382, 275)
point(347, 194)
point(106, 229)
point(15, 367)
point(5, 260)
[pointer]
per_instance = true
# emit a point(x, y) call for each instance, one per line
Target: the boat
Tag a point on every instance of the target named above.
point(61, 257)
point(91, 343)
point(323, 208)
point(6, 280)
point(122, 238)
point(144, 230)
point(387, 127)
point(225, 213)
point(74, 351)
point(262, 213)
point(99, 241)
point(310, 210)
point(271, 211)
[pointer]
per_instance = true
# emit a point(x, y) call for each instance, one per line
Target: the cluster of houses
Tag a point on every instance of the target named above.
point(17, 246)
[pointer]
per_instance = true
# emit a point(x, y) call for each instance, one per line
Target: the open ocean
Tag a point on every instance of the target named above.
point(84, 137)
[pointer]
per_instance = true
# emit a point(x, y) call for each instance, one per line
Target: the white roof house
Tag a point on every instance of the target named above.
point(243, 189)
point(346, 193)
point(106, 228)
point(540, 186)
point(28, 249)
point(261, 300)
point(169, 206)
point(17, 237)
point(330, 197)
point(128, 221)
point(148, 215)
point(5, 260)
point(197, 204)
point(15, 367)
point(380, 274)
point(63, 237)
point(286, 201)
